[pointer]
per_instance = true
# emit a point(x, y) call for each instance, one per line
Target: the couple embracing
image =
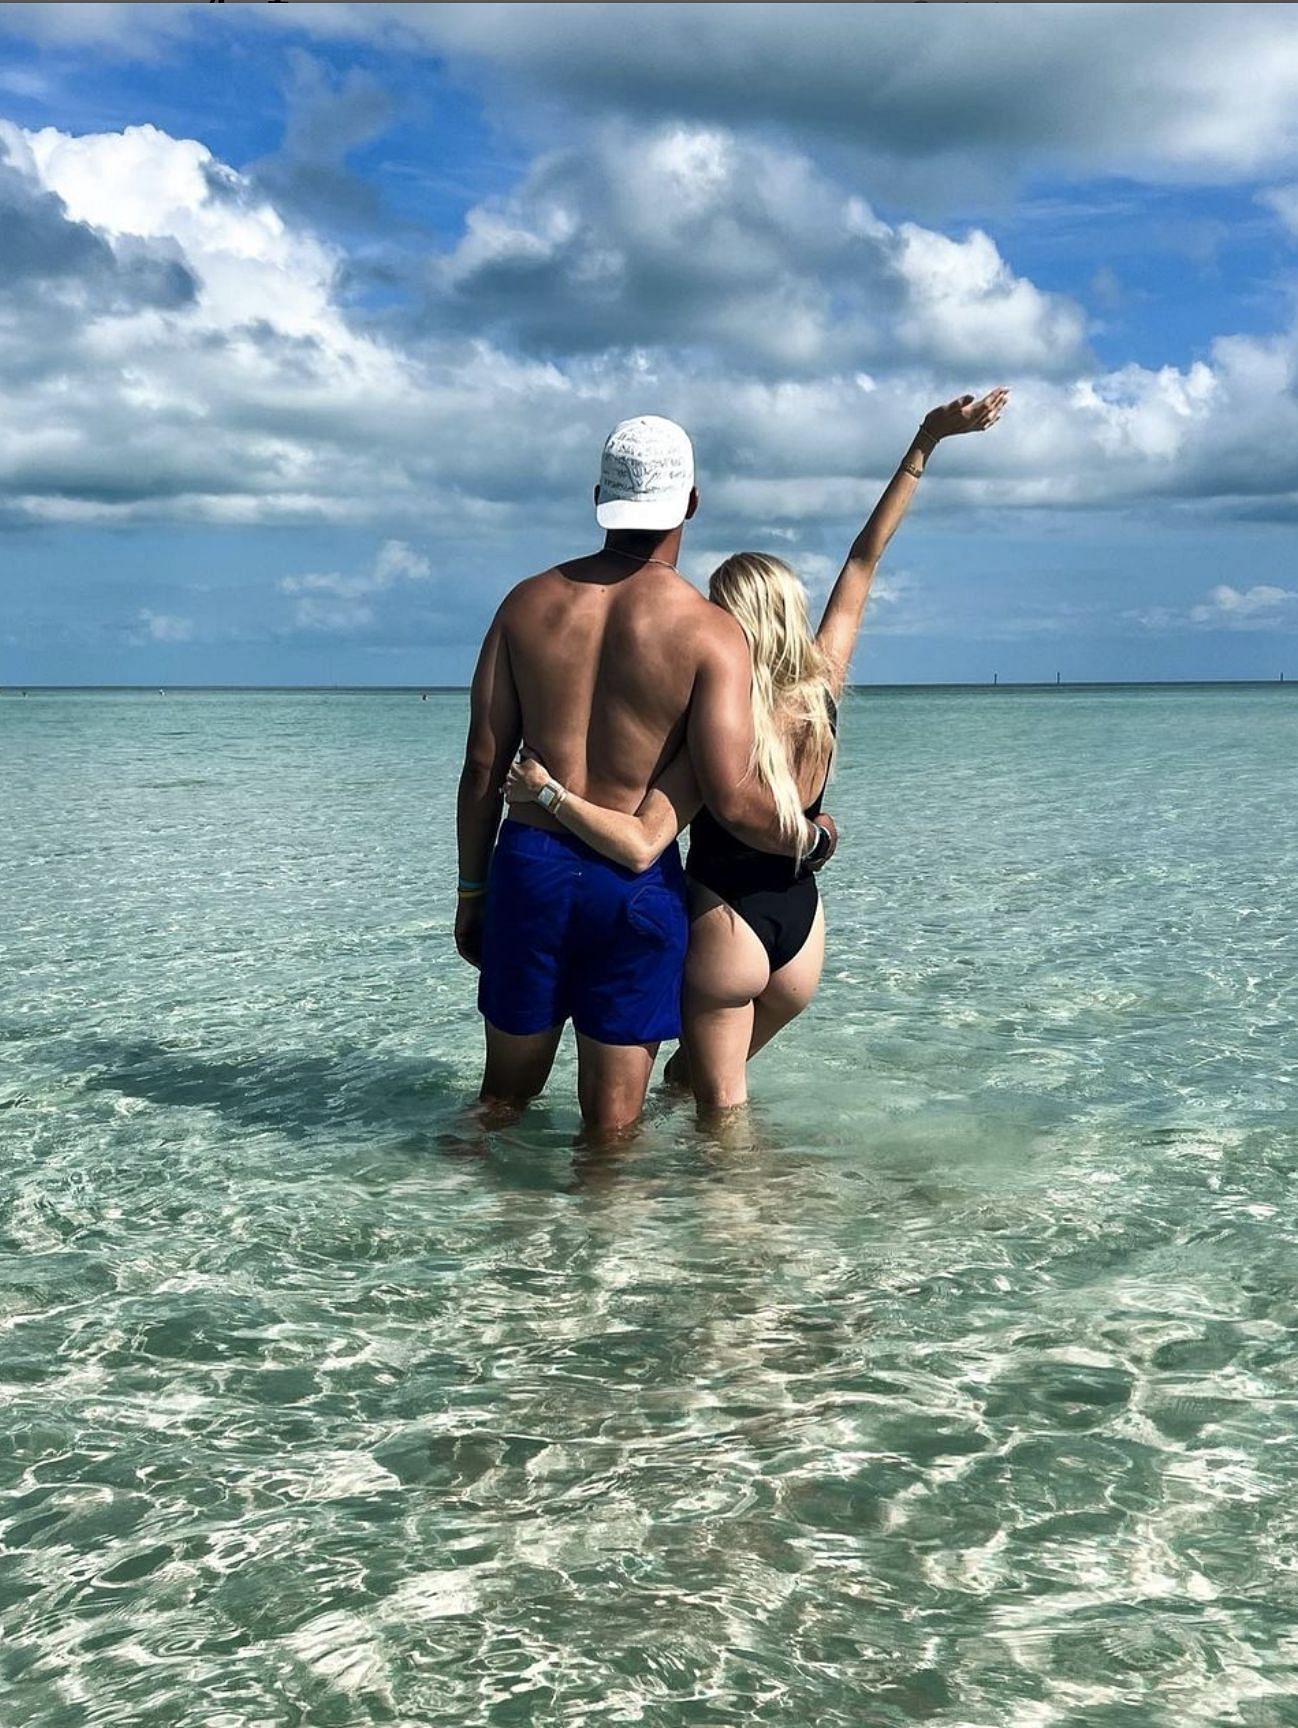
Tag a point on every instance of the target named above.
point(614, 705)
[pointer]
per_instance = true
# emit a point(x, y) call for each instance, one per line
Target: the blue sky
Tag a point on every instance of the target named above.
point(313, 319)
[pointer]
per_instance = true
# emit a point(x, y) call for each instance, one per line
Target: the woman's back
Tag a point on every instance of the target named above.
point(715, 853)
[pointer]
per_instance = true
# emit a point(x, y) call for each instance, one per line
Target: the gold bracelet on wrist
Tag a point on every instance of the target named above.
point(915, 473)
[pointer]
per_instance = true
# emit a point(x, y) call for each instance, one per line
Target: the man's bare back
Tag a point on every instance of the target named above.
point(606, 666)
point(604, 655)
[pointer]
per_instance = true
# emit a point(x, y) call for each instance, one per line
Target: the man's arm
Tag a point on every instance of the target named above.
point(720, 739)
point(495, 732)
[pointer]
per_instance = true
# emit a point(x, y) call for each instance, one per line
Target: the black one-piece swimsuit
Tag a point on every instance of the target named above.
point(775, 896)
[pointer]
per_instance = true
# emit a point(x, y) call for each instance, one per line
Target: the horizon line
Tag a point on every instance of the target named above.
point(993, 683)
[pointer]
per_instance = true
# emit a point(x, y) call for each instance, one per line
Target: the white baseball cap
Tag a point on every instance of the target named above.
point(646, 475)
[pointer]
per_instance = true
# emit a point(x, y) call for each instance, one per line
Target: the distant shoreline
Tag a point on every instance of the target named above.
point(1279, 683)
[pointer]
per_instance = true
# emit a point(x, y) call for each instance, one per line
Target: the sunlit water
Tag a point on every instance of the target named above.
point(963, 1390)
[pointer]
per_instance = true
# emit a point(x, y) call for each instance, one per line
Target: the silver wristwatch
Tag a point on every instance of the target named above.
point(551, 796)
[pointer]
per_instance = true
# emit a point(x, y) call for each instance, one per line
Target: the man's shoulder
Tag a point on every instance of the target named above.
point(677, 609)
point(713, 627)
point(673, 610)
point(668, 588)
point(525, 594)
point(542, 579)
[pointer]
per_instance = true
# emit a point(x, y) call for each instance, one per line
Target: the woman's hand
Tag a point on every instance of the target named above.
point(966, 414)
point(827, 822)
point(525, 779)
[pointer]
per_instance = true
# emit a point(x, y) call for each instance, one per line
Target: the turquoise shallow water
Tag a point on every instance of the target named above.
point(962, 1391)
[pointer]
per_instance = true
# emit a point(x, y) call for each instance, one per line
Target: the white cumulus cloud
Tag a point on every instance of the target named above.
point(697, 237)
point(173, 346)
point(248, 397)
point(945, 96)
point(344, 607)
point(966, 307)
point(394, 562)
point(165, 627)
point(1246, 608)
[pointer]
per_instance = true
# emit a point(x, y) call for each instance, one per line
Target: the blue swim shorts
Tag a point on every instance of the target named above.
point(570, 935)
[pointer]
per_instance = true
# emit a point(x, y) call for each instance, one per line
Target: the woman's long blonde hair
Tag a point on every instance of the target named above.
point(792, 687)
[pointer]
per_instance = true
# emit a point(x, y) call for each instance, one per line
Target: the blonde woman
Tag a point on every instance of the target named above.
point(757, 932)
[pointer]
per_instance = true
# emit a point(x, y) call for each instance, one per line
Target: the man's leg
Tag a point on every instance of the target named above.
point(522, 982)
point(626, 995)
point(517, 1067)
point(612, 1080)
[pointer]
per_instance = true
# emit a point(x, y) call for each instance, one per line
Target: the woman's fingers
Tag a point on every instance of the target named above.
point(968, 413)
point(525, 778)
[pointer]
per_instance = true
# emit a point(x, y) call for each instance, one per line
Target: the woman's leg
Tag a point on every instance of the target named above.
point(725, 971)
point(790, 988)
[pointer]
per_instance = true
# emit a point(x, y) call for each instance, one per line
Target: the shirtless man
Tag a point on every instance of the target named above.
point(605, 665)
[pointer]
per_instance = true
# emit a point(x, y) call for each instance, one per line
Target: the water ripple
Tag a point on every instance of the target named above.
point(961, 1390)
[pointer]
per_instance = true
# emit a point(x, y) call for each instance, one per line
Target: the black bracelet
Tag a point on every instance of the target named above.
point(820, 845)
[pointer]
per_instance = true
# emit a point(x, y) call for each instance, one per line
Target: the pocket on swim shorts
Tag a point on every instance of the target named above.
point(659, 912)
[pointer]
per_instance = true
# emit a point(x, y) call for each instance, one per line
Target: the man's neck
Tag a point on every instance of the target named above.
point(650, 546)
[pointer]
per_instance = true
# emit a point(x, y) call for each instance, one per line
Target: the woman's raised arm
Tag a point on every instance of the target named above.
point(634, 841)
point(841, 624)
